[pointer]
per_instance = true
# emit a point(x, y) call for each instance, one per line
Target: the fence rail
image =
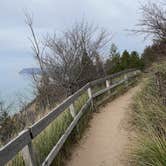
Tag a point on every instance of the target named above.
point(24, 139)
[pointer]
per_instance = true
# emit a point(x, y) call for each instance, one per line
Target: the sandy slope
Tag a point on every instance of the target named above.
point(106, 141)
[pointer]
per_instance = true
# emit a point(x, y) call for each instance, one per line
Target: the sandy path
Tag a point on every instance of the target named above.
point(105, 142)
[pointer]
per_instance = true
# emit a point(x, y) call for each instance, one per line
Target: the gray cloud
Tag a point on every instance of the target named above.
point(57, 15)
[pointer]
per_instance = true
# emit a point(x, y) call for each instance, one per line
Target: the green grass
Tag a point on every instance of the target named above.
point(115, 92)
point(150, 150)
point(98, 87)
point(149, 119)
point(17, 161)
point(48, 138)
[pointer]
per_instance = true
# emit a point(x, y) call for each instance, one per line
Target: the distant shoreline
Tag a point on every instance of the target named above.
point(30, 71)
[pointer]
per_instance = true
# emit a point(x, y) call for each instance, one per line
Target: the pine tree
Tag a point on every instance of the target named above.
point(89, 70)
point(113, 51)
point(125, 60)
point(134, 60)
point(99, 66)
point(112, 64)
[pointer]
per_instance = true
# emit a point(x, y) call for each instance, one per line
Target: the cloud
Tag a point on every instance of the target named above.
point(55, 15)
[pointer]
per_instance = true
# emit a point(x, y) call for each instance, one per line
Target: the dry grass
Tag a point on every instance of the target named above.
point(149, 118)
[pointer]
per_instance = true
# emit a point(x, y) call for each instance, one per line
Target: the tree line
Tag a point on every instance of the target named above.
point(117, 62)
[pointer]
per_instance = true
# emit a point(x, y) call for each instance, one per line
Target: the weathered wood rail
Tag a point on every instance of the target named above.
point(23, 142)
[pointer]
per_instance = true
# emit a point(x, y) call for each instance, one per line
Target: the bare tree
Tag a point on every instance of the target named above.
point(37, 46)
point(153, 24)
point(43, 91)
point(153, 21)
point(64, 60)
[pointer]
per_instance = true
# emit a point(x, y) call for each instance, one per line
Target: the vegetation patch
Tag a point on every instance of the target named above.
point(149, 119)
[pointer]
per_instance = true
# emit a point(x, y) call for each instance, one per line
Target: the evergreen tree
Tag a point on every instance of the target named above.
point(116, 66)
point(113, 51)
point(134, 60)
point(99, 66)
point(116, 63)
point(89, 70)
point(112, 64)
point(125, 60)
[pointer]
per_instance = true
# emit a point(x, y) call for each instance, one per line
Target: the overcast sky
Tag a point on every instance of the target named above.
point(57, 15)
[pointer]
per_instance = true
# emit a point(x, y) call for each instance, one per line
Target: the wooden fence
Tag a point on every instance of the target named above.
point(23, 142)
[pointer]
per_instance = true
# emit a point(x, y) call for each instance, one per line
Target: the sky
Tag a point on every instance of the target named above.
point(56, 15)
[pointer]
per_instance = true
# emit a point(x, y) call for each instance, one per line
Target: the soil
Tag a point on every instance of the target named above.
point(107, 140)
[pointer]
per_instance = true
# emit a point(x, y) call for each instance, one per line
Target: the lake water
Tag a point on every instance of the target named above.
point(12, 84)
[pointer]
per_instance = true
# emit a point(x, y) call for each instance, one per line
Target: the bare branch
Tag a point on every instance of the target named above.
point(153, 22)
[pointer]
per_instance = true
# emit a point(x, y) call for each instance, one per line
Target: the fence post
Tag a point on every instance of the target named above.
point(73, 114)
point(89, 93)
point(108, 85)
point(72, 110)
point(29, 155)
point(126, 80)
point(135, 72)
point(91, 97)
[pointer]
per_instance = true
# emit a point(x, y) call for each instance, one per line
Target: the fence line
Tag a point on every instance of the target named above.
point(24, 139)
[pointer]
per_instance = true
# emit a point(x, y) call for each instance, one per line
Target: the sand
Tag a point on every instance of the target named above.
point(106, 141)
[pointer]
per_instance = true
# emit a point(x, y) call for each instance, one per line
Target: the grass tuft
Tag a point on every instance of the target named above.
point(149, 120)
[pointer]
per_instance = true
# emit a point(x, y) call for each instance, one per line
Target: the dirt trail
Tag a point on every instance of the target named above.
point(105, 143)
